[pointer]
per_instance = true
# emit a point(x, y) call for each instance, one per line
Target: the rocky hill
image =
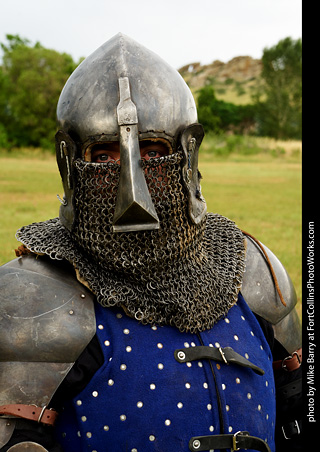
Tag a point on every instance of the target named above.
point(233, 81)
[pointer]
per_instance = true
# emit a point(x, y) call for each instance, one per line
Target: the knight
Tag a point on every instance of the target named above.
point(136, 320)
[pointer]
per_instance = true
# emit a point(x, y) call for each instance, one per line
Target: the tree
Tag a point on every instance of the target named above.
point(280, 115)
point(31, 79)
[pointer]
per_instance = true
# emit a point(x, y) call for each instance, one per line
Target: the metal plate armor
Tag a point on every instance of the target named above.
point(47, 319)
point(259, 291)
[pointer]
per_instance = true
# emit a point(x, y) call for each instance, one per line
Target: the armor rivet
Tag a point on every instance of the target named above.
point(179, 404)
point(211, 428)
point(71, 312)
point(126, 331)
point(95, 393)
point(167, 422)
point(230, 429)
point(189, 364)
point(152, 438)
point(223, 386)
point(123, 417)
point(181, 355)
point(100, 327)
point(188, 385)
point(196, 444)
point(140, 404)
point(249, 395)
point(159, 345)
point(152, 386)
point(123, 367)
point(227, 407)
point(83, 418)
point(89, 434)
point(128, 349)
point(110, 382)
point(267, 383)
point(238, 380)
point(160, 366)
point(79, 402)
point(106, 428)
point(205, 385)
point(217, 344)
point(82, 295)
point(8, 424)
point(209, 407)
point(107, 343)
point(259, 407)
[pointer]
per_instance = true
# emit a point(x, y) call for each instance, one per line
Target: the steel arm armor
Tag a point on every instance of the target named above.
point(47, 319)
point(259, 291)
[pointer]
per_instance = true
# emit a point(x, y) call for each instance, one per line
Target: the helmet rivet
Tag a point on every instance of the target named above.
point(181, 355)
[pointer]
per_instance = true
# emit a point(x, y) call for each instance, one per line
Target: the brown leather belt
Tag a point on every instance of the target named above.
point(290, 363)
point(30, 412)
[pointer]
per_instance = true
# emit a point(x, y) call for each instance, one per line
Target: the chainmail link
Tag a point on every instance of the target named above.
point(184, 275)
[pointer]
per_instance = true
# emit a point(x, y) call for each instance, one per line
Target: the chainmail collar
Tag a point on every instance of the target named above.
point(193, 294)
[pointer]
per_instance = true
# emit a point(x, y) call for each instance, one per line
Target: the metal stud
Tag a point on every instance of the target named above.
point(196, 444)
point(181, 355)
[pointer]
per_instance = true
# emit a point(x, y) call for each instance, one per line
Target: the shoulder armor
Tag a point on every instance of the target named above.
point(47, 319)
point(259, 291)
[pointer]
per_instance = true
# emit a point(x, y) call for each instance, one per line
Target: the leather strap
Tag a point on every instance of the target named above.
point(226, 355)
point(240, 440)
point(290, 363)
point(30, 412)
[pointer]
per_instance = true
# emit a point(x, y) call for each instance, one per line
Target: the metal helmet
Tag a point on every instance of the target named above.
point(124, 92)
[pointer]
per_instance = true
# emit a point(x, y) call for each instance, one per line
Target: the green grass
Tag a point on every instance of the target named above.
point(261, 192)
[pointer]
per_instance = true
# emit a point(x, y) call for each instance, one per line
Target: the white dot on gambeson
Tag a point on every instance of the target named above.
point(126, 331)
point(119, 316)
point(123, 367)
point(193, 344)
point(261, 347)
point(128, 348)
point(236, 338)
point(79, 434)
point(106, 343)
point(152, 438)
point(188, 385)
point(134, 450)
point(249, 396)
point(217, 344)
point(95, 393)
point(123, 417)
point(252, 333)
point(200, 364)
point(106, 428)
point(186, 344)
point(83, 418)
point(89, 434)
point(243, 318)
point(154, 328)
point(238, 381)
point(167, 422)
point(227, 407)
point(223, 386)
point(259, 407)
point(267, 383)
point(227, 320)
point(211, 428)
point(79, 402)
point(230, 429)
point(159, 345)
point(140, 404)
point(209, 407)
point(246, 355)
point(152, 386)
point(189, 364)
point(160, 366)
point(110, 382)
point(180, 405)
point(205, 385)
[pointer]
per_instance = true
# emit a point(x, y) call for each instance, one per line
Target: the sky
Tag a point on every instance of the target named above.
point(180, 31)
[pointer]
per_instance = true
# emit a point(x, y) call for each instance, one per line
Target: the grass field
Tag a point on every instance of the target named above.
point(260, 192)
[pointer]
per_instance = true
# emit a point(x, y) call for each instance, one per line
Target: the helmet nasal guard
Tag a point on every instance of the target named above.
point(124, 92)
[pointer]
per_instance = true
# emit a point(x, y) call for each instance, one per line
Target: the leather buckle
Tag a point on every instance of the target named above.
point(234, 439)
point(294, 424)
point(283, 364)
